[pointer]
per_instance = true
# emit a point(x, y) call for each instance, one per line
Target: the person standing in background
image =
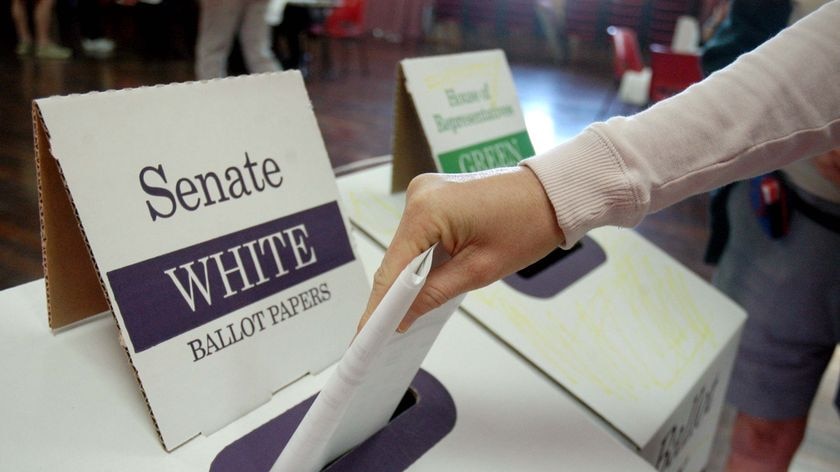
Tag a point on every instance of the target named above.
point(783, 276)
point(296, 20)
point(772, 106)
point(219, 23)
point(42, 46)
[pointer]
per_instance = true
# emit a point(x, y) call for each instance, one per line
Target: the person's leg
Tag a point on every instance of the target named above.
point(762, 445)
point(787, 286)
point(21, 21)
point(218, 22)
point(255, 39)
point(42, 19)
point(296, 20)
point(45, 48)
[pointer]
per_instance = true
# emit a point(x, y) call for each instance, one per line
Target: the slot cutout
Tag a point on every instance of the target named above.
point(425, 415)
point(546, 262)
point(406, 403)
point(559, 269)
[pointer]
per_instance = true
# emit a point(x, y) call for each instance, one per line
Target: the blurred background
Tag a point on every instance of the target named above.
point(562, 57)
point(573, 61)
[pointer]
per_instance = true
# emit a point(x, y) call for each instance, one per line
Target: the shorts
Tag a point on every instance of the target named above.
point(790, 288)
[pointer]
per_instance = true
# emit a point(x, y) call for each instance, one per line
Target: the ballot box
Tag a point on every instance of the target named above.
point(642, 343)
point(70, 402)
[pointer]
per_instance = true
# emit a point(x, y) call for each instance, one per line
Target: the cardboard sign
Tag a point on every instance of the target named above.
point(206, 217)
point(456, 113)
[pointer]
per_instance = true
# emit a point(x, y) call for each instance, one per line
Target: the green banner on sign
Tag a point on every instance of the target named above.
point(501, 152)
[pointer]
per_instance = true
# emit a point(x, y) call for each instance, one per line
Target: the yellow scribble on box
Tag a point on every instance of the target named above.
point(639, 330)
point(381, 215)
point(488, 71)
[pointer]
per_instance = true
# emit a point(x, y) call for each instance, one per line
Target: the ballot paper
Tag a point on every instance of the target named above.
point(371, 378)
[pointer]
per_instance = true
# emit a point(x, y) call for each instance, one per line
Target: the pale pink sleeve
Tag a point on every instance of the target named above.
point(772, 106)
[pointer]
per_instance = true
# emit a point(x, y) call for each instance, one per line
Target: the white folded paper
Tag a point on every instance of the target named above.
point(372, 377)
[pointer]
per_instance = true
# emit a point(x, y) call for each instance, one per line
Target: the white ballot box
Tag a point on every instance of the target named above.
point(70, 402)
point(638, 339)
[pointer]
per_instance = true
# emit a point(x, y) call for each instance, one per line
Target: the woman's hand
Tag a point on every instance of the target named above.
point(492, 223)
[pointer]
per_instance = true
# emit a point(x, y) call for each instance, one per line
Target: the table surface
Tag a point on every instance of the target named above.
point(70, 401)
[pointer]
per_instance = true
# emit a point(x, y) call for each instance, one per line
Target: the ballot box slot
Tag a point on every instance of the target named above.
point(561, 268)
point(425, 415)
point(552, 258)
point(408, 401)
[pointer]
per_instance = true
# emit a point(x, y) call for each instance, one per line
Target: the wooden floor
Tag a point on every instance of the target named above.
point(355, 116)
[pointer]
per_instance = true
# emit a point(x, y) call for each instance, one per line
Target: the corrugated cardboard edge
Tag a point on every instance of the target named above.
point(74, 291)
point(74, 286)
point(104, 94)
point(412, 154)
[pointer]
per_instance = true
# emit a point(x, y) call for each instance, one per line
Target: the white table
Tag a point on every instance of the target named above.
point(70, 402)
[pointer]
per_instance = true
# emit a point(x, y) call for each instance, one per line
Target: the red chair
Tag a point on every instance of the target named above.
point(345, 24)
point(671, 72)
point(663, 16)
point(626, 57)
point(626, 52)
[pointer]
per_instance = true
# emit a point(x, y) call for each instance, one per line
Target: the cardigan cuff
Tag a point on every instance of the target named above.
point(588, 185)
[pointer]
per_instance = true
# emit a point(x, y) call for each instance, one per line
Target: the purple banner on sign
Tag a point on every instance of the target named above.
point(171, 294)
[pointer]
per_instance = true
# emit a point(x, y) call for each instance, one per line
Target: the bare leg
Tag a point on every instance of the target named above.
point(43, 17)
point(44, 47)
point(760, 445)
point(255, 39)
point(218, 22)
point(21, 21)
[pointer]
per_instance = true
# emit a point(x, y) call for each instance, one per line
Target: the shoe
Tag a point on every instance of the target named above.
point(100, 48)
point(24, 48)
point(52, 51)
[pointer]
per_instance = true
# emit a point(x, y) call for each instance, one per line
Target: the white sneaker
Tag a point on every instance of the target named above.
point(102, 47)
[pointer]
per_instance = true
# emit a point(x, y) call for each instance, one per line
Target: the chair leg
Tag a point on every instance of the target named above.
point(345, 57)
point(326, 56)
point(361, 45)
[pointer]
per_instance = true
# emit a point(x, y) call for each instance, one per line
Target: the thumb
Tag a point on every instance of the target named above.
point(383, 278)
point(444, 283)
point(397, 257)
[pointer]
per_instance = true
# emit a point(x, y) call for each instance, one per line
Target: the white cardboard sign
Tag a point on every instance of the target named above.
point(456, 113)
point(209, 214)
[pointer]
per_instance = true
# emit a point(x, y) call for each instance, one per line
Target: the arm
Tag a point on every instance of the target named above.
point(775, 105)
point(492, 223)
point(779, 103)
